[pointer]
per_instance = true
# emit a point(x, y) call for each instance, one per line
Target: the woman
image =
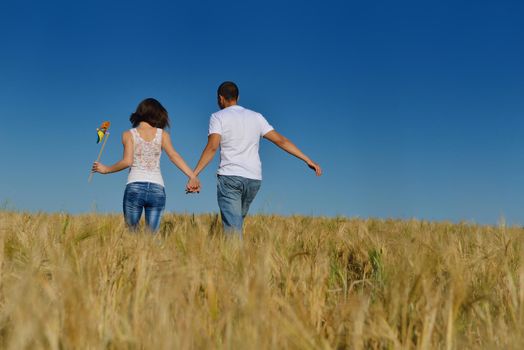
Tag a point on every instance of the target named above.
point(143, 145)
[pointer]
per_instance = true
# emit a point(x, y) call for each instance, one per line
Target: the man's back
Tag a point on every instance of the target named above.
point(240, 130)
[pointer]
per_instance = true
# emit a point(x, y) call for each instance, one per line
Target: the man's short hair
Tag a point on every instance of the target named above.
point(228, 90)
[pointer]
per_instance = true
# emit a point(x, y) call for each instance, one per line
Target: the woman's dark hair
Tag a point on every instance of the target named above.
point(151, 112)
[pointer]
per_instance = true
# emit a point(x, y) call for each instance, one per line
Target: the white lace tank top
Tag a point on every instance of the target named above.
point(146, 159)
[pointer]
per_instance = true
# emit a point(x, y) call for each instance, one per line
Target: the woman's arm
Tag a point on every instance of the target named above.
point(125, 162)
point(174, 156)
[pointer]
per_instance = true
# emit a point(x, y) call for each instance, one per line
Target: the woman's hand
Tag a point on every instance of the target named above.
point(99, 168)
point(193, 185)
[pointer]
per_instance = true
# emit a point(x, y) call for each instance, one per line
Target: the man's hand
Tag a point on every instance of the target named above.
point(99, 168)
point(314, 166)
point(193, 185)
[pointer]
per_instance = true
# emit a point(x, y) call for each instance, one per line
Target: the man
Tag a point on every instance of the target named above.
point(237, 131)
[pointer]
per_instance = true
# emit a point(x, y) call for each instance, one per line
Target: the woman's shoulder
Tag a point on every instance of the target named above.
point(127, 134)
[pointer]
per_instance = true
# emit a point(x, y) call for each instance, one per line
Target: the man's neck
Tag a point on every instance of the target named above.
point(230, 103)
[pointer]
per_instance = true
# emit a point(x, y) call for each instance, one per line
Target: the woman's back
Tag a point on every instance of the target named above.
point(147, 149)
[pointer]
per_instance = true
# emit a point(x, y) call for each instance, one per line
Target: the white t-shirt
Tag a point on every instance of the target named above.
point(240, 130)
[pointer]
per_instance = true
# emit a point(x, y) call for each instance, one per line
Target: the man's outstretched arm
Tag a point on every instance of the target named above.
point(290, 148)
point(213, 142)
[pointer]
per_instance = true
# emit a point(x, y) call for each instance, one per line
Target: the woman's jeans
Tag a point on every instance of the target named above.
point(146, 196)
point(234, 195)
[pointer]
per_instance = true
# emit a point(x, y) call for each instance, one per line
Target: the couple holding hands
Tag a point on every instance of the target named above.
point(233, 129)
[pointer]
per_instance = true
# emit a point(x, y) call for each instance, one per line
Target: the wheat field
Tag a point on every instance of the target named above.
point(85, 282)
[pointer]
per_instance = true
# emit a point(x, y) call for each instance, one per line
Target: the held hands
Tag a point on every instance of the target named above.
point(193, 185)
point(99, 168)
point(314, 166)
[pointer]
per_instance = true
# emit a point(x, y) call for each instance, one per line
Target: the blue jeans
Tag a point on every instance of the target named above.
point(234, 195)
point(146, 196)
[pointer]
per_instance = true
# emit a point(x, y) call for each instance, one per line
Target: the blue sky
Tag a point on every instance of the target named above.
point(413, 108)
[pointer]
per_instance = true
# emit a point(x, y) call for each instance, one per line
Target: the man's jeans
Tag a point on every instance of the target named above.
point(235, 194)
point(146, 196)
